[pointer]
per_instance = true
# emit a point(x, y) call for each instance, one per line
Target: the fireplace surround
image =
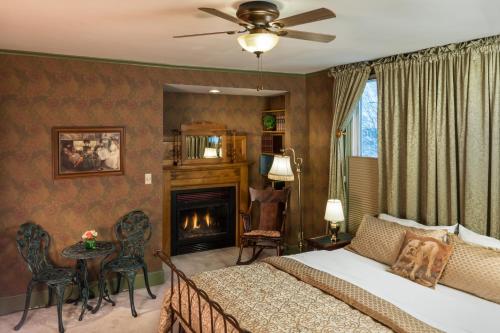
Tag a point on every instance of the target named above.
point(186, 178)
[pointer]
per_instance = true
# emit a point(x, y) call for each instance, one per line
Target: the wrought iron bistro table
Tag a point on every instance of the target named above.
point(82, 254)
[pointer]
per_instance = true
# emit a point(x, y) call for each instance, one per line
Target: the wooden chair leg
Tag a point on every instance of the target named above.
point(242, 245)
point(60, 301)
point(130, 276)
point(146, 280)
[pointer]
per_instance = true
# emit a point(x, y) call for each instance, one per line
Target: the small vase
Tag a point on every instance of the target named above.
point(90, 244)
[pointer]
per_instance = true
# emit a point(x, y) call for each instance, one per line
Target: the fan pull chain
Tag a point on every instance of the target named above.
point(260, 85)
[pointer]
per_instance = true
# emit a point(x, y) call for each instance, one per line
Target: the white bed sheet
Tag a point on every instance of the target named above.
point(444, 308)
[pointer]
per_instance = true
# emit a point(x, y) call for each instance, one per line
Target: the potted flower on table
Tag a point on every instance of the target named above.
point(89, 239)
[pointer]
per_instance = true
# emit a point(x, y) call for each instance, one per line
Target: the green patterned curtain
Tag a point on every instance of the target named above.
point(439, 135)
point(348, 85)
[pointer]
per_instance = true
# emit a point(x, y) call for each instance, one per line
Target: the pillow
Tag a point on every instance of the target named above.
point(411, 223)
point(422, 259)
point(381, 240)
point(470, 236)
point(473, 269)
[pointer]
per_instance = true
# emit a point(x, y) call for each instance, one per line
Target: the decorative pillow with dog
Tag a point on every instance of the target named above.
point(422, 259)
point(381, 240)
point(473, 269)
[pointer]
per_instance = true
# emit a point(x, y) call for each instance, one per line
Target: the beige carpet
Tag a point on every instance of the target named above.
point(118, 318)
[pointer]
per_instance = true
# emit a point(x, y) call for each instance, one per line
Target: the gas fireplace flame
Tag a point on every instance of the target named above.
point(196, 221)
point(196, 224)
point(208, 219)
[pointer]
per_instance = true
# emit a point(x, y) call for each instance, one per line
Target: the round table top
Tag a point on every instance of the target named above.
point(78, 250)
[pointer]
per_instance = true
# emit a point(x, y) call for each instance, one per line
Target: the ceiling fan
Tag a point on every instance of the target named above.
point(262, 27)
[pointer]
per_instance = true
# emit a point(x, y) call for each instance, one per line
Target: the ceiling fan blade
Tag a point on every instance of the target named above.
point(231, 32)
point(307, 17)
point(218, 13)
point(312, 36)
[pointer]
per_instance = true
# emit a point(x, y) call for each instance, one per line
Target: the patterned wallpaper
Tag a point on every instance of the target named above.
point(319, 109)
point(37, 93)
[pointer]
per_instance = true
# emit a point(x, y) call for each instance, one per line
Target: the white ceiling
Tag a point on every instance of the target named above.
point(142, 30)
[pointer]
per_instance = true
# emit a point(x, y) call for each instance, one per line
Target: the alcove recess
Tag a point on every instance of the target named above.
point(273, 139)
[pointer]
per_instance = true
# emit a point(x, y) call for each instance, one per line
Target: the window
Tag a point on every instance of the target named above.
point(364, 123)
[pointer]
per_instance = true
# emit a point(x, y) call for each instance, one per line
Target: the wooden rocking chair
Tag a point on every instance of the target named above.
point(270, 229)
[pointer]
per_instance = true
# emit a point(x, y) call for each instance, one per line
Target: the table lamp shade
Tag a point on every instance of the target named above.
point(281, 169)
point(334, 211)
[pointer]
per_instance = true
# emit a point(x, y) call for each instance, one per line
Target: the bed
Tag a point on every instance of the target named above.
point(319, 291)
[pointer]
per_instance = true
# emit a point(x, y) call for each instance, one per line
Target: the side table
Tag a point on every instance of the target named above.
point(325, 243)
point(82, 254)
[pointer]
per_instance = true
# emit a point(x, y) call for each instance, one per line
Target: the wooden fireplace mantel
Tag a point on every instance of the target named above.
point(204, 176)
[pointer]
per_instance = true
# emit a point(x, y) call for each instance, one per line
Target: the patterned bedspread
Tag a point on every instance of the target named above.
point(280, 294)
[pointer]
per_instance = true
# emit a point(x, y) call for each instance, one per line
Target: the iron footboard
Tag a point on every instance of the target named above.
point(177, 278)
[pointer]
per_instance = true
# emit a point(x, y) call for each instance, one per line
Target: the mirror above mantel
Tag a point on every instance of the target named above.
point(205, 143)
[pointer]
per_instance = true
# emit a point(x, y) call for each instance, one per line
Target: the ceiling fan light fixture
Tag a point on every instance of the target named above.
point(258, 42)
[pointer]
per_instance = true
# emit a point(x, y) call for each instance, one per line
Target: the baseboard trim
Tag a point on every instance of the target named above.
point(40, 298)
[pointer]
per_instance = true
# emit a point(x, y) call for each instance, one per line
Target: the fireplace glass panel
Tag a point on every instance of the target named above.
point(203, 219)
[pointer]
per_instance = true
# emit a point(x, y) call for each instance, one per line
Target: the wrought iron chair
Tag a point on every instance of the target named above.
point(133, 231)
point(33, 244)
point(270, 229)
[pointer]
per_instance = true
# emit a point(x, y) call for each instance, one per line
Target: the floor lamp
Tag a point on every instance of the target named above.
point(281, 170)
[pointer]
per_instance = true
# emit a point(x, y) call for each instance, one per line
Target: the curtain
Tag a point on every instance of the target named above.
point(439, 135)
point(349, 82)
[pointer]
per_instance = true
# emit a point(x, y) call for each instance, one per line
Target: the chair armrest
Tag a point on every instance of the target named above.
point(247, 221)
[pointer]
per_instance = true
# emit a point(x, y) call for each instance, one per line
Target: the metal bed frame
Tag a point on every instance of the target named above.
point(177, 277)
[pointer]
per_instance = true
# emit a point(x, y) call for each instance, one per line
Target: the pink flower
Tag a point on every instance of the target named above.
point(89, 234)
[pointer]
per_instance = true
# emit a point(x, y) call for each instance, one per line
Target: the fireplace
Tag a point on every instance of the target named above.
point(202, 219)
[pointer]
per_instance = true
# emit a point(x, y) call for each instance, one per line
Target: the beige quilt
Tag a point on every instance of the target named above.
point(280, 294)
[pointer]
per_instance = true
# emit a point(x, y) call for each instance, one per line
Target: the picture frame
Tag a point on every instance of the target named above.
point(88, 151)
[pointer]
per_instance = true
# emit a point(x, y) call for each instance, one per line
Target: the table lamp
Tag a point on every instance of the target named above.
point(281, 170)
point(334, 214)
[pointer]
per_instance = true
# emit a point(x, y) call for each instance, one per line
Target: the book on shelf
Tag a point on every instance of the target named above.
point(280, 122)
point(267, 143)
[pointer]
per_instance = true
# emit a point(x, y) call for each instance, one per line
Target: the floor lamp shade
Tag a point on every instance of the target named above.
point(281, 169)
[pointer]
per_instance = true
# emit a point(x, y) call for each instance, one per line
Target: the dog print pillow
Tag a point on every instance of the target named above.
point(422, 259)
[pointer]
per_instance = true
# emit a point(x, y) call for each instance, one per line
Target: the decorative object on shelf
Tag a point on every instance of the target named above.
point(90, 239)
point(87, 151)
point(281, 170)
point(334, 214)
point(269, 122)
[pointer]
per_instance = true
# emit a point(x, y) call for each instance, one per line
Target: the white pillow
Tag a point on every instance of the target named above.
point(471, 237)
point(415, 224)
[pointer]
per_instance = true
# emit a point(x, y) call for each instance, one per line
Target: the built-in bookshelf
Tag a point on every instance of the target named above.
point(272, 139)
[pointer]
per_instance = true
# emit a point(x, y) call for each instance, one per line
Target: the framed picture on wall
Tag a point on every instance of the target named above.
point(88, 151)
